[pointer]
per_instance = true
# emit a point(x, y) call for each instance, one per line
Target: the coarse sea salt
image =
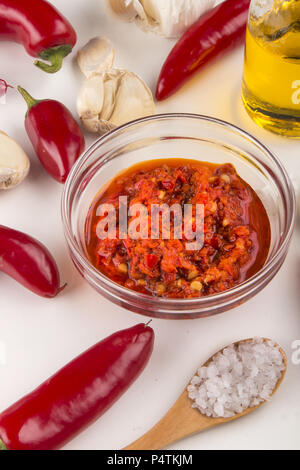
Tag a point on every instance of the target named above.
point(241, 376)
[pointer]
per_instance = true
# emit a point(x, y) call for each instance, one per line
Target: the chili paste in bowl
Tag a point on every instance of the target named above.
point(235, 225)
point(241, 213)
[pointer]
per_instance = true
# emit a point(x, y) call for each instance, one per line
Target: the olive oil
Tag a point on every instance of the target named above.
point(271, 85)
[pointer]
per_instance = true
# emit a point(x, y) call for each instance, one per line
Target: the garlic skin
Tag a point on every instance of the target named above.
point(121, 95)
point(97, 56)
point(14, 163)
point(171, 18)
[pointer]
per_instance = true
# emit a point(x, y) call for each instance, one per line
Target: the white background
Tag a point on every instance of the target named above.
point(42, 335)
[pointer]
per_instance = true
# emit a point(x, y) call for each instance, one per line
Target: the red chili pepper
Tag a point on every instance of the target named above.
point(214, 242)
point(216, 32)
point(42, 30)
point(152, 260)
point(78, 394)
point(54, 134)
point(3, 87)
point(169, 185)
point(28, 262)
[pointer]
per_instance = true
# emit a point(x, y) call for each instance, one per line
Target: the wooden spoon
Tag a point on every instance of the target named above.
point(182, 420)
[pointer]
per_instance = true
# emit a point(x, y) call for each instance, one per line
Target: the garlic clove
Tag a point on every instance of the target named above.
point(124, 97)
point(127, 10)
point(151, 9)
point(97, 56)
point(90, 103)
point(134, 100)
point(14, 163)
point(91, 96)
point(111, 84)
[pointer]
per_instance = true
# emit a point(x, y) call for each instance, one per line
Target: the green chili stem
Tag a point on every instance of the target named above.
point(30, 101)
point(54, 55)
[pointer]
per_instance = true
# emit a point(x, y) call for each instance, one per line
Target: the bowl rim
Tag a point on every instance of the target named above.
point(236, 291)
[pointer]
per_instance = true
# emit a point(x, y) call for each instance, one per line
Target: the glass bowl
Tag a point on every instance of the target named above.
point(179, 136)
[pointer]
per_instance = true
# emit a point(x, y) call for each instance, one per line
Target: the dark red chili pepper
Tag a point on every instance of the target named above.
point(42, 30)
point(216, 32)
point(78, 394)
point(214, 242)
point(54, 134)
point(152, 260)
point(28, 262)
point(3, 87)
point(169, 185)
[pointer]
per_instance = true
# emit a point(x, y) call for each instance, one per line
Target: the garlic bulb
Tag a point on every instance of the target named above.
point(97, 56)
point(14, 163)
point(171, 18)
point(109, 97)
point(113, 98)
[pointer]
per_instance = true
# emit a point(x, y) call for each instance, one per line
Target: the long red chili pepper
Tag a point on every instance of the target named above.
point(217, 31)
point(54, 134)
point(78, 394)
point(28, 262)
point(3, 87)
point(42, 30)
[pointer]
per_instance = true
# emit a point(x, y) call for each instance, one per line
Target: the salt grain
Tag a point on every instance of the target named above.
point(241, 376)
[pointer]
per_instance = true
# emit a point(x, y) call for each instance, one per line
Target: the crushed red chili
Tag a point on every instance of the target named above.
point(236, 230)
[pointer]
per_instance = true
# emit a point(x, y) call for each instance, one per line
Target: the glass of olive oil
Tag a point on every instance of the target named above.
point(271, 84)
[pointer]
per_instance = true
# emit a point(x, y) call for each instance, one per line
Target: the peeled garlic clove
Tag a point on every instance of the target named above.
point(14, 163)
point(127, 10)
point(97, 56)
point(134, 100)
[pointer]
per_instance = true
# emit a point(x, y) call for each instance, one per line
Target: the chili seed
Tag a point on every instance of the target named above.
point(123, 268)
point(196, 285)
point(213, 207)
point(192, 275)
point(161, 289)
point(225, 178)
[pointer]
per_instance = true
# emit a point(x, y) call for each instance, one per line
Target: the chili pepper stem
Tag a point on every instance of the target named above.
point(30, 101)
point(2, 446)
point(54, 55)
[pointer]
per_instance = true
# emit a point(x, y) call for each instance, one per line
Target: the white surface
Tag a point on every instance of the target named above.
point(41, 335)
